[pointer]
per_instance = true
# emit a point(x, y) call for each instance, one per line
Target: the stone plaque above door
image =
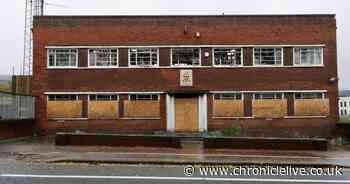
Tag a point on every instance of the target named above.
point(186, 78)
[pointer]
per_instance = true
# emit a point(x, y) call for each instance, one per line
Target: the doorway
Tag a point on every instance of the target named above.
point(186, 114)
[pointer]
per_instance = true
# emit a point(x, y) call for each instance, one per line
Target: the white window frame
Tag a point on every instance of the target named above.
point(129, 97)
point(110, 97)
point(142, 66)
point(323, 96)
point(261, 65)
point(53, 67)
point(242, 96)
point(233, 66)
point(110, 66)
point(283, 95)
point(48, 97)
point(185, 66)
point(308, 65)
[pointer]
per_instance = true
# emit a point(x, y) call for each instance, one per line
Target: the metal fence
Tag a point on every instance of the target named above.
point(15, 106)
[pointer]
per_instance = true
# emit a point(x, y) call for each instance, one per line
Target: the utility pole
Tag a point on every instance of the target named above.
point(32, 8)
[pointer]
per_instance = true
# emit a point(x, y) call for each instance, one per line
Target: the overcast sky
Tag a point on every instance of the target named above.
point(12, 19)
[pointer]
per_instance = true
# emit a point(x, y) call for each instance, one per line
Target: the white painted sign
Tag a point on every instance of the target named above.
point(186, 78)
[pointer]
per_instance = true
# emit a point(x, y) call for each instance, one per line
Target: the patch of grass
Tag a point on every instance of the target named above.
point(234, 131)
point(345, 120)
point(5, 87)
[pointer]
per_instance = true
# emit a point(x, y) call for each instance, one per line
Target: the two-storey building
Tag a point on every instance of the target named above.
point(344, 103)
point(274, 75)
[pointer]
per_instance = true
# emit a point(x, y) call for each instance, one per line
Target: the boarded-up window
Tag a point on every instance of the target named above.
point(142, 106)
point(103, 107)
point(269, 105)
point(228, 105)
point(311, 104)
point(64, 106)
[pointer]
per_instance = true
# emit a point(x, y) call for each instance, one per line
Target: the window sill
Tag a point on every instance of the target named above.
point(67, 119)
point(187, 66)
point(151, 66)
point(268, 66)
point(304, 117)
point(127, 118)
point(216, 117)
point(101, 67)
point(307, 66)
point(54, 68)
point(228, 66)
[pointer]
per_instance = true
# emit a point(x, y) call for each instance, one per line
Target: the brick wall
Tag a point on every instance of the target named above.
point(170, 30)
point(10, 129)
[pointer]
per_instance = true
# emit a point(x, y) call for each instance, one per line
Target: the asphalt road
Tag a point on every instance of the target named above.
point(16, 172)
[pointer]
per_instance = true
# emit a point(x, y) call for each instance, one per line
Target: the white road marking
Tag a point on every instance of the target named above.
point(220, 155)
point(174, 178)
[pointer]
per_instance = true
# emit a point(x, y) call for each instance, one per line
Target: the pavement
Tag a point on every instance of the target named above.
point(44, 151)
point(36, 161)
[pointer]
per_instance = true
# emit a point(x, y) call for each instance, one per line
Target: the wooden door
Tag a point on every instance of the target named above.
point(186, 114)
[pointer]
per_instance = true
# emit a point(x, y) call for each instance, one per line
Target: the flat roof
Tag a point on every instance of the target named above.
point(195, 15)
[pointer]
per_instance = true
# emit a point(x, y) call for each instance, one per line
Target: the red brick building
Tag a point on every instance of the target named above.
point(274, 75)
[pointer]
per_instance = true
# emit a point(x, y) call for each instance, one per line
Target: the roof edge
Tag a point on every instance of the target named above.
point(194, 15)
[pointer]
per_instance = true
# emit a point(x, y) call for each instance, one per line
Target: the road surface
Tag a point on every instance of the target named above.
point(17, 172)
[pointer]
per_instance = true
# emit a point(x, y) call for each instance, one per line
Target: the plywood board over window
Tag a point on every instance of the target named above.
point(228, 108)
point(311, 107)
point(141, 109)
point(64, 109)
point(270, 108)
point(103, 109)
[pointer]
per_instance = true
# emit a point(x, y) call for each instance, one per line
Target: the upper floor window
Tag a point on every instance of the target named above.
point(309, 95)
point(103, 57)
point(308, 56)
point(228, 56)
point(266, 96)
point(143, 57)
point(62, 58)
point(268, 56)
point(134, 97)
point(185, 56)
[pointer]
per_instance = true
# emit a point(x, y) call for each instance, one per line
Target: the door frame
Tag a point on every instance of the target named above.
point(202, 112)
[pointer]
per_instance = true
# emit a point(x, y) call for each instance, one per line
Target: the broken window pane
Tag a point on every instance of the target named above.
point(228, 56)
point(144, 57)
point(186, 56)
point(103, 57)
